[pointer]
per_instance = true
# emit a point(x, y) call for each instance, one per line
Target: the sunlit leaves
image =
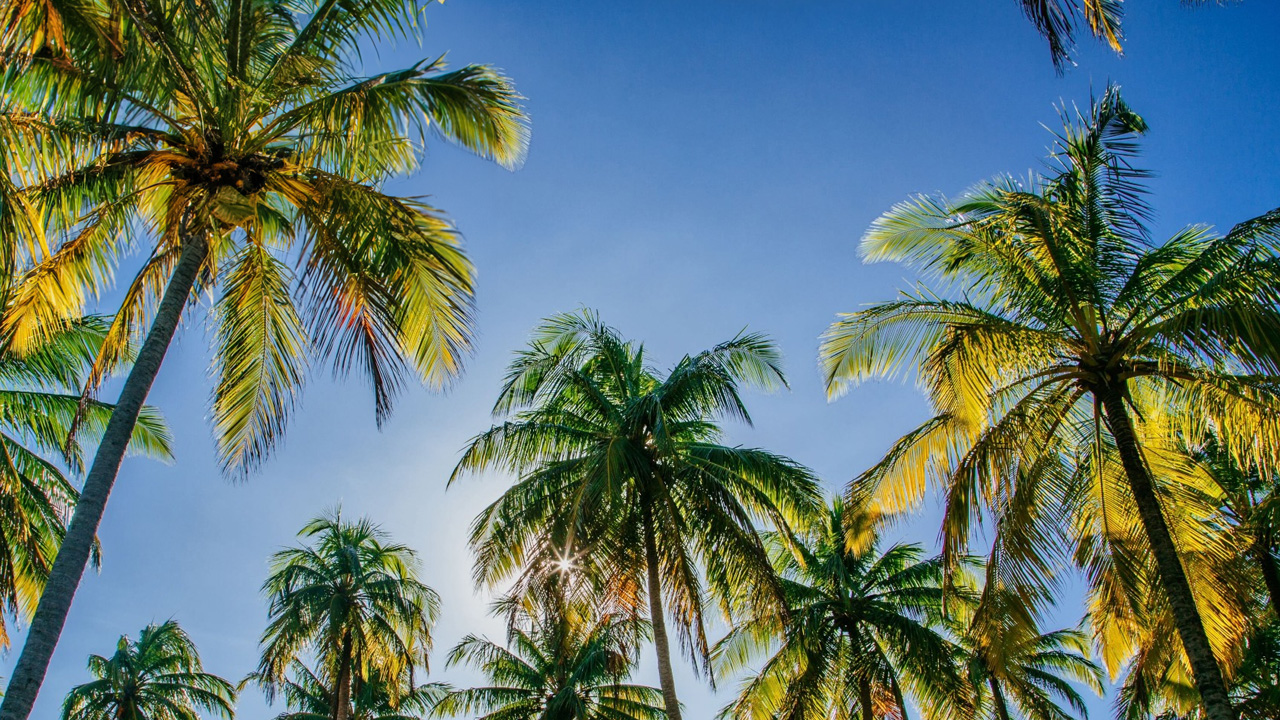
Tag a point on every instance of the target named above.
point(1062, 293)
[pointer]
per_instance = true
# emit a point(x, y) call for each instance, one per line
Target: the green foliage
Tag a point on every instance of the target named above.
point(608, 453)
point(310, 697)
point(158, 677)
point(245, 121)
point(564, 660)
point(1013, 667)
point(352, 601)
point(1058, 21)
point(859, 633)
point(1058, 300)
point(39, 405)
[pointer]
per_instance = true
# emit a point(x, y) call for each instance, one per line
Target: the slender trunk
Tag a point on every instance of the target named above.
point(342, 694)
point(997, 698)
point(898, 699)
point(1263, 550)
point(1173, 577)
point(864, 698)
point(73, 555)
point(658, 620)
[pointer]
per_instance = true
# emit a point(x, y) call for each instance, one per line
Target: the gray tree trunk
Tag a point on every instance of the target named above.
point(1173, 577)
point(73, 555)
point(658, 620)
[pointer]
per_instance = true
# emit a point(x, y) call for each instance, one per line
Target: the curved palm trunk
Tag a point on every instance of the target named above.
point(73, 555)
point(997, 698)
point(658, 620)
point(1173, 577)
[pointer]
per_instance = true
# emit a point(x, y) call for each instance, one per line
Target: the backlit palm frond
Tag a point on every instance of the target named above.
point(261, 360)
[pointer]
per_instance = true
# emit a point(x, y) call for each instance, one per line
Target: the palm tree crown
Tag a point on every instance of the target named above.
point(621, 472)
point(563, 661)
point(860, 635)
point(351, 600)
point(228, 126)
point(232, 142)
point(157, 677)
point(1078, 362)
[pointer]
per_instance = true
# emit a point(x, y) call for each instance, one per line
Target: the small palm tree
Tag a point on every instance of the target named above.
point(1015, 670)
point(859, 637)
point(563, 661)
point(39, 401)
point(310, 697)
point(1082, 357)
point(235, 142)
point(1031, 676)
point(158, 677)
point(625, 465)
point(353, 601)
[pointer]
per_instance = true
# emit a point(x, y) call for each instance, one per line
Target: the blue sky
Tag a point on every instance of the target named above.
point(697, 167)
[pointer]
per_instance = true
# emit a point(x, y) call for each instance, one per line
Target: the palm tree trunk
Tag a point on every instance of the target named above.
point(342, 695)
point(1263, 550)
point(73, 555)
point(1173, 577)
point(864, 698)
point(997, 698)
point(658, 620)
point(898, 699)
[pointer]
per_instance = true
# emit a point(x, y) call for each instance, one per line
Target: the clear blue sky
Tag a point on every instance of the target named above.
point(697, 167)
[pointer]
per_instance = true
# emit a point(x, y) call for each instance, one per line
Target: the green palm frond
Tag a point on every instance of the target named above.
point(157, 676)
point(1064, 301)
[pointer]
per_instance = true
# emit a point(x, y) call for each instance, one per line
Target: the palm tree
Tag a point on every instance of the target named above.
point(310, 697)
point(39, 399)
point(1025, 672)
point(1015, 669)
point(627, 467)
point(239, 142)
point(158, 677)
point(351, 599)
point(563, 661)
point(860, 635)
point(1079, 352)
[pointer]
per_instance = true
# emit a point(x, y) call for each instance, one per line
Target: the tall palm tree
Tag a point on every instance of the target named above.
point(353, 601)
point(310, 696)
point(861, 634)
point(563, 661)
point(39, 400)
point(626, 465)
point(1080, 352)
point(232, 139)
point(156, 677)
